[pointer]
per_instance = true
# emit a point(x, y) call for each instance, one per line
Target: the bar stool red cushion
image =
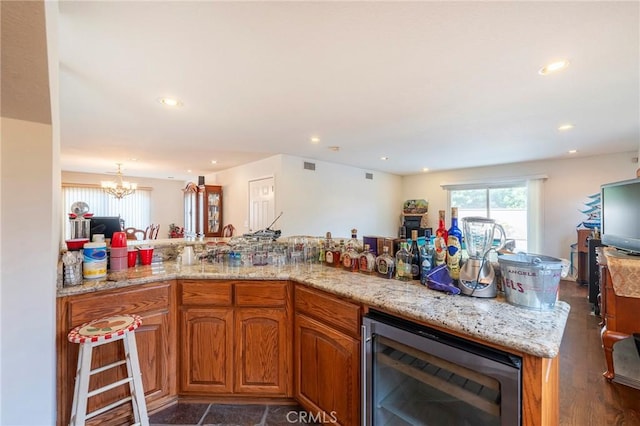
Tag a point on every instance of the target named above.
point(104, 329)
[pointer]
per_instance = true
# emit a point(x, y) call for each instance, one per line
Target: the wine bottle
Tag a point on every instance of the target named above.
point(426, 258)
point(440, 241)
point(415, 256)
point(454, 246)
point(403, 263)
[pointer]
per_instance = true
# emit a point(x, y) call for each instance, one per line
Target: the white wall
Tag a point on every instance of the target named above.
point(569, 183)
point(337, 198)
point(333, 198)
point(166, 196)
point(29, 172)
point(235, 190)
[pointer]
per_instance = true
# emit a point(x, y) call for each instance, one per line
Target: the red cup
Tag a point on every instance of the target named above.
point(119, 239)
point(132, 256)
point(145, 255)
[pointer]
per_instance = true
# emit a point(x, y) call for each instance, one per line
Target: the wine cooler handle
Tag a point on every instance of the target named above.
point(366, 340)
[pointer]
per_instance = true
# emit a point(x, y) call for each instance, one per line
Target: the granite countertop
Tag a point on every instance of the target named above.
point(538, 333)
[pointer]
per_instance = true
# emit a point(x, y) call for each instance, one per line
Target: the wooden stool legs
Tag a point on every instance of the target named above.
point(135, 385)
point(81, 393)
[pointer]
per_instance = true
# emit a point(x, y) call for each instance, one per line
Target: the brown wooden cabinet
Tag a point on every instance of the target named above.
point(619, 318)
point(327, 355)
point(156, 342)
point(202, 210)
point(212, 211)
point(206, 356)
point(235, 337)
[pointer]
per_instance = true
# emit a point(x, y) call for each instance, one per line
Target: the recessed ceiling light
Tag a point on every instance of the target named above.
point(189, 171)
point(564, 127)
point(214, 161)
point(334, 148)
point(573, 151)
point(553, 67)
point(170, 102)
point(315, 139)
point(384, 158)
point(425, 169)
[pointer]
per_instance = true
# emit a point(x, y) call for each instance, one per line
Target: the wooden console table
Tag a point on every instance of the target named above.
point(620, 314)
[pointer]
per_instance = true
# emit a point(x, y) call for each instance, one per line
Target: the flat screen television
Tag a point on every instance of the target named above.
point(620, 215)
point(106, 225)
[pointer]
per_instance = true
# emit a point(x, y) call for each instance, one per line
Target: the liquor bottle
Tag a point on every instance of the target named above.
point(338, 252)
point(322, 247)
point(355, 243)
point(403, 263)
point(385, 264)
point(402, 233)
point(415, 256)
point(350, 257)
point(367, 261)
point(440, 242)
point(426, 258)
point(329, 248)
point(454, 246)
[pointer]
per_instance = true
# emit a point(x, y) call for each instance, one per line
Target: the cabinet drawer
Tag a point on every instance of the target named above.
point(204, 292)
point(134, 300)
point(328, 309)
point(261, 293)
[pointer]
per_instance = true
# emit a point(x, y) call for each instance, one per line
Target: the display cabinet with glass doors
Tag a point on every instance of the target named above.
point(202, 210)
point(212, 211)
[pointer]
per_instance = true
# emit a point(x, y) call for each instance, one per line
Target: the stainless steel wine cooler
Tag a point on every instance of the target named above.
point(415, 375)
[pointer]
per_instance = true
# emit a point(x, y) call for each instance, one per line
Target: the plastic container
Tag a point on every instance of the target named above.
point(146, 254)
point(531, 280)
point(118, 263)
point(76, 244)
point(119, 239)
point(94, 260)
point(118, 258)
point(132, 257)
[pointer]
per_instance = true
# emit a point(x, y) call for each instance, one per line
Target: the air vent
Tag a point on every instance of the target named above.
point(309, 166)
point(368, 176)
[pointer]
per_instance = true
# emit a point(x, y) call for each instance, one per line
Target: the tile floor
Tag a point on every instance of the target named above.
point(190, 414)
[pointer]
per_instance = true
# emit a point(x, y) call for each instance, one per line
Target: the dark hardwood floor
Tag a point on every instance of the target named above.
point(586, 397)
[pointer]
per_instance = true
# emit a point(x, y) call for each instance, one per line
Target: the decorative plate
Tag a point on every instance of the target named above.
point(415, 207)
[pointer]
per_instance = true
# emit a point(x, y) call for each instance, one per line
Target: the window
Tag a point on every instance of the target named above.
point(506, 205)
point(134, 209)
point(516, 204)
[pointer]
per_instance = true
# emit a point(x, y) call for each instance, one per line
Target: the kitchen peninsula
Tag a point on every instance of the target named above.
point(183, 306)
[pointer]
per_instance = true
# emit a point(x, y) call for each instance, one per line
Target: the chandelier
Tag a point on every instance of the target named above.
point(119, 188)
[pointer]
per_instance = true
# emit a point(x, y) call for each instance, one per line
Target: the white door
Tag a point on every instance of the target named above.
point(262, 206)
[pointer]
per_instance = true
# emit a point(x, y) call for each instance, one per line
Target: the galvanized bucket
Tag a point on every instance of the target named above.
point(531, 280)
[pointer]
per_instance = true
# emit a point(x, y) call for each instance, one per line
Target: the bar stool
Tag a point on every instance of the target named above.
point(99, 332)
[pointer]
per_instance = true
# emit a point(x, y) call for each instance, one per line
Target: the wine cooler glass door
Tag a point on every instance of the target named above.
point(412, 382)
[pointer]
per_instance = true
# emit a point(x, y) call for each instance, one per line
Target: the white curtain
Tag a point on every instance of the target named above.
point(134, 209)
point(535, 214)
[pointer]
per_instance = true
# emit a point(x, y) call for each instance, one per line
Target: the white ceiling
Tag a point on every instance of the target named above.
point(427, 84)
